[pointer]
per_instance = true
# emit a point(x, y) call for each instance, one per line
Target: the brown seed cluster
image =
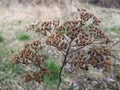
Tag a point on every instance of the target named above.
point(37, 76)
point(56, 31)
point(83, 39)
point(96, 21)
point(29, 55)
point(81, 62)
point(98, 34)
point(15, 58)
point(47, 27)
point(100, 57)
point(57, 40)
point(85, 15)
point(70, 28)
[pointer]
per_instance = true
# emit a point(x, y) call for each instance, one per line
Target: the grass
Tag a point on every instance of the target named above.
point(23, 37)
point(9, 74)
point(20, 22)
point(52, 80)
point(54, 69)
point(115, 29)
point(5, 51)
point(2, 53)
point(9, 69)
point(1, 39)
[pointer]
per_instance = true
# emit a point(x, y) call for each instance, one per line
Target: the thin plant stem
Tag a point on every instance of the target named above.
point(61, 69)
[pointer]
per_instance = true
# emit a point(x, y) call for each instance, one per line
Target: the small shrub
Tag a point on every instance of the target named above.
point(23, 37)
point(81, 42)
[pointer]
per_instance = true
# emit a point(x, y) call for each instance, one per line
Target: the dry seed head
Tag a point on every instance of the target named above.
point(100, 57)
point(15, 58)
point(107, 65)
point(81, 62)
point(46, 71)
point(63, 45)
point(54, 40)
point(96, 21)
point(38, 77)
point(28, 78)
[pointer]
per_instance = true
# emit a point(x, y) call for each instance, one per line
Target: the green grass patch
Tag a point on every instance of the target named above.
point(52, 79)
point(115, 29)
point(54, 70)
point(2, 53)
point(20, 22)
point(9, 74)
point(8, 69)
point(23, 37)
point(1, 39)
point(5, 51)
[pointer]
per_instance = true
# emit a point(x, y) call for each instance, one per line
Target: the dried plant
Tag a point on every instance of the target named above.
point(81, 42)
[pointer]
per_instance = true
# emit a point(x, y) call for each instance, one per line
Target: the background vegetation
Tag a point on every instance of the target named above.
point(106, 3)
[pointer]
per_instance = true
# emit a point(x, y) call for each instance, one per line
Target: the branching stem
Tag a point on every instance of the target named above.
point(64, 62)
